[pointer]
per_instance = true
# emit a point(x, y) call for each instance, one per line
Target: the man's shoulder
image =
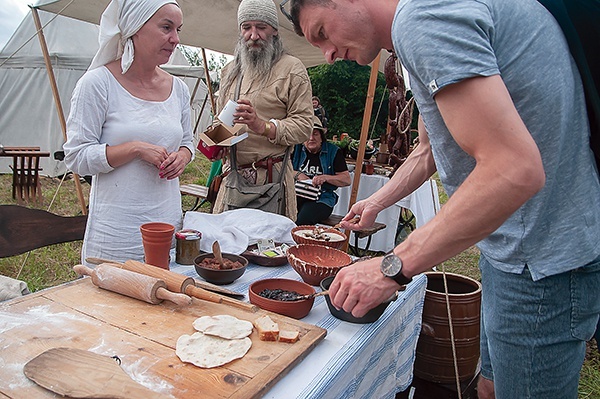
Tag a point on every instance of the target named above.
point(291, 63)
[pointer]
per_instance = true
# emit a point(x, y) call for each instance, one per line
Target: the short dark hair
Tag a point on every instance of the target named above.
point(297, 5)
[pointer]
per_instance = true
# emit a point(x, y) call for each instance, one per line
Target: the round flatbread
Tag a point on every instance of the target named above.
point(223, 326)
point(207, 351)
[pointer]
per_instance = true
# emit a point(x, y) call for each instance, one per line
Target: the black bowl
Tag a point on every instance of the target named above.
point(217, 276)
point(371, 316)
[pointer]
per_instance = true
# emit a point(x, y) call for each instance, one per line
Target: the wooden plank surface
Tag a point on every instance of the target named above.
point(143, 336)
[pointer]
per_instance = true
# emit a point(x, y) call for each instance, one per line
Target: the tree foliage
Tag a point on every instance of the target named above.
point(342, 88)
point(194, 57)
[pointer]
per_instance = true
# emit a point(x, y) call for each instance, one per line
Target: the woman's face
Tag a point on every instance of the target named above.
point(159, 36)
point(314, 142)
point(315, 103)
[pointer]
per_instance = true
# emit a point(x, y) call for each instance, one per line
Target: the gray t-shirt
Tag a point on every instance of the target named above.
point(443, 42)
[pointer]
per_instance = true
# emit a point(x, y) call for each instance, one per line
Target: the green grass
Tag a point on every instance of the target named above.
point(50, 266)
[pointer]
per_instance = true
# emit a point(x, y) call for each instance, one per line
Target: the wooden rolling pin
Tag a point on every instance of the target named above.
point(134, 285)
point(178, 282)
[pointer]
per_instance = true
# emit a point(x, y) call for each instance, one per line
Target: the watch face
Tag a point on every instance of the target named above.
point(391, 265)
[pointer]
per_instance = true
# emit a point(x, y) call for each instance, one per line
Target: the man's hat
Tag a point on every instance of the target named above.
point(317, 124)
point(258, 10)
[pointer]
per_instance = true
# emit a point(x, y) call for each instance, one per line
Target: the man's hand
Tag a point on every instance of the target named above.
point(360, 287)
point(245, 113)
point(361, 215)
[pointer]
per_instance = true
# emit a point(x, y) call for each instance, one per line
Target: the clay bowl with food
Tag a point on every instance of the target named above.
point(278, 295)
point(210, 270)
point(372, 315)
point(318, 235)
point(264, 260)
point(315, 262)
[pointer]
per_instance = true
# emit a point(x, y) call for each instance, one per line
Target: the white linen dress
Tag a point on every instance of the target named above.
point(123, 198)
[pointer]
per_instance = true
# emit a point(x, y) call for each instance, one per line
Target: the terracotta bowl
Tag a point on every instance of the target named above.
point(295, 309)
point(315, 262)
point(298, 234)
point(220, 277)
point(371, 316)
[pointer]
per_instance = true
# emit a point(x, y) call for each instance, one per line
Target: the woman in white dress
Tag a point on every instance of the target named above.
point(129, 127)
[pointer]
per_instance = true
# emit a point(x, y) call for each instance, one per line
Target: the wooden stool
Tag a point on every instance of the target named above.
point(368, 232)
point(197, 191)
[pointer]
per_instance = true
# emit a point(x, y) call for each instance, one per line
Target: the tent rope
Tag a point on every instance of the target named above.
point(35, 34)
point(48, 210)
point(377, 114)
point(447, 296)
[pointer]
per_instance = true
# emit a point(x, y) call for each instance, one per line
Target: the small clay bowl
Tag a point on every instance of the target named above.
point(337, 241)
point(315, 262)
point(217, 276)
point(371, 316)
point(264, 260)
point(296, 309)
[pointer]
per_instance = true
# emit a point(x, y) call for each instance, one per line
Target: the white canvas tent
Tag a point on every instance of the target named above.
point(28, 115)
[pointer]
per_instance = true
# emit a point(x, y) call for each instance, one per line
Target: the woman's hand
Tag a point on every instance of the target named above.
point(319, 180)
point(173, 166)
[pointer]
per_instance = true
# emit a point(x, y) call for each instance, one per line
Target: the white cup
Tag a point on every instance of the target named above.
point(226, 115)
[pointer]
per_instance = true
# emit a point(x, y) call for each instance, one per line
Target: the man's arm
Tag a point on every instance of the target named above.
point(418, 167)
point(482, 118)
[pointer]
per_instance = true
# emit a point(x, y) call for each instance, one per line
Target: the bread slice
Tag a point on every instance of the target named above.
point(288, 336)
point(267, 329)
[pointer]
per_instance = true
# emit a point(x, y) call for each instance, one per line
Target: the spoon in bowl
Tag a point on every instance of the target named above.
point(216, 248)
point(309, 296)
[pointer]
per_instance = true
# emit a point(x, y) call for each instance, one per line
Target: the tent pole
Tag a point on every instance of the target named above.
point(208, 83)
point(59, 109)
point(364, 133)
point(200, 114)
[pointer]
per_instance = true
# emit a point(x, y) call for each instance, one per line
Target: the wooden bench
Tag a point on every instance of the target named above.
point(368, 232)
point(197, 191)
point(24, 229)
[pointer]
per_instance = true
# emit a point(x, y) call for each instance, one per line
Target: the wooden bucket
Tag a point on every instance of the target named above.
point(434, 359)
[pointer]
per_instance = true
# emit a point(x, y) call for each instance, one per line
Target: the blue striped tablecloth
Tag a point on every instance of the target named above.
point(354, 360)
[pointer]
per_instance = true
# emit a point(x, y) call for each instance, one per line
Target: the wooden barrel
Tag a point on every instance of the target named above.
point(434, 358)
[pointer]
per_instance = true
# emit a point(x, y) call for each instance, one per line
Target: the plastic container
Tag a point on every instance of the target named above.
point(188, 246)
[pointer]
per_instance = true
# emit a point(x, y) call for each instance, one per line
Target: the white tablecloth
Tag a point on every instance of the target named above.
point(423, 203)
point(354, 360)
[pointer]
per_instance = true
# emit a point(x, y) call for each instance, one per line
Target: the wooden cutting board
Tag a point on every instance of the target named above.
point(83, 316)
point(78, 373)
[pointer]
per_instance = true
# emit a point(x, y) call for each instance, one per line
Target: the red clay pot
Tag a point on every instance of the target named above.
point(157, 238)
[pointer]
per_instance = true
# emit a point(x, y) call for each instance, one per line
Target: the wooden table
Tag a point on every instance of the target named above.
point(143, 336)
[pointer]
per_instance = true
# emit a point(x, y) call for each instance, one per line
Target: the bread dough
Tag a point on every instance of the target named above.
point(223, 326)
point(207, 351)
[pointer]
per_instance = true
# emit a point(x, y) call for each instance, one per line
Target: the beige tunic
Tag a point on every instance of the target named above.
point(285, 97)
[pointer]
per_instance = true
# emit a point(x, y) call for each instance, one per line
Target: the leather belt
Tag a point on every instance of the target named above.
point(266, 163)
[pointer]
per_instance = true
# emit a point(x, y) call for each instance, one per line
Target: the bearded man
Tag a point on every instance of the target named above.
point(274, 103)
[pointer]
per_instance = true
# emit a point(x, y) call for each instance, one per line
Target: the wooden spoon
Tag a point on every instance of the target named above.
point(217, 252)
point(308, 296)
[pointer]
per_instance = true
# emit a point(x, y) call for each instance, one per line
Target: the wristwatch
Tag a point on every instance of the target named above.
point(391, 266)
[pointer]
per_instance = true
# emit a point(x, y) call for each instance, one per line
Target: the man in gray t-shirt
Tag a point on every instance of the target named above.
point(504, 124)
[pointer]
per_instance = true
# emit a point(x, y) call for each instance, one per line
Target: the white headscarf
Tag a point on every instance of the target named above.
point(121, 20)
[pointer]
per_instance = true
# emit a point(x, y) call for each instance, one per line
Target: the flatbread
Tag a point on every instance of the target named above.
point(207, 351)
point(223, 326)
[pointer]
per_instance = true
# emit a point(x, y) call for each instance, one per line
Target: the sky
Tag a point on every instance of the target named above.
point(12, 13)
